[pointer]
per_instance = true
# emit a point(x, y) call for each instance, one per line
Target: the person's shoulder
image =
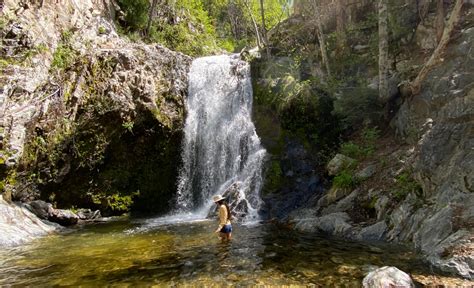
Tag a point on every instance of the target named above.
point(222, 207)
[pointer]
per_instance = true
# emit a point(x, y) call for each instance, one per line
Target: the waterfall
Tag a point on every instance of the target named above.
point(221, 147)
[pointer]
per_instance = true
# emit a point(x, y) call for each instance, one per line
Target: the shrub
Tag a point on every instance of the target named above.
point(352, 150)
point(136, 13)
point(405, 184)
point(345, 180)
point(370, 137)
point(63, 57)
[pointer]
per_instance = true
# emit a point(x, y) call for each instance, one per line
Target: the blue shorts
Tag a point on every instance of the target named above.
point(226, 229)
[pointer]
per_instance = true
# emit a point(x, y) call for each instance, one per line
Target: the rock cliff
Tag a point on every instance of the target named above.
point(416, 185)
point(88, 118)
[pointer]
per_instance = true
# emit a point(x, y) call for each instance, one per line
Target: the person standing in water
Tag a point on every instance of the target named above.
point(225, 227)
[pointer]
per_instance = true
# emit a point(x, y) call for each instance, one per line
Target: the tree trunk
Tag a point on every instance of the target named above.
point(150, 17)
point(439, 19)
point(322, 41)
point(340, 25)
point(298, 8)
point(383, 51)
point(259, 42)
point(264, 29)
point(423, 8)
point(437, 53)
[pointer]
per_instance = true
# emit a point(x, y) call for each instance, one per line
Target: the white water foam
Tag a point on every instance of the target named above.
point(221, 145)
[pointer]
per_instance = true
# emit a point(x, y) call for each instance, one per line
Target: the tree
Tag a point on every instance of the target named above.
point(423, 8)
point(150, 16)
point(321, 38)
point(135, 13)
point(264, 29)
point(383, 51)
point(340, 25)
point(415, 85)
point(257, 34)
point(439, 19)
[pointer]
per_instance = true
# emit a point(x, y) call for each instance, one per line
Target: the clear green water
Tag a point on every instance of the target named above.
point(123, 254)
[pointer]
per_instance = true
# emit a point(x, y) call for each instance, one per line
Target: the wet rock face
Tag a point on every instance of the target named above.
point(302, 187)
point(19, 225)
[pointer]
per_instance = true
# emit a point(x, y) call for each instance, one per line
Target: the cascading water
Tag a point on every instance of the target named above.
point(221, 147)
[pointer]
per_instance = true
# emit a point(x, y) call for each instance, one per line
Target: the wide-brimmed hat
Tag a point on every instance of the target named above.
point(217, 198)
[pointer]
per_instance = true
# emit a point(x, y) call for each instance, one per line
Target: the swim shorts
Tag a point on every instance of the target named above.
point(226, 229)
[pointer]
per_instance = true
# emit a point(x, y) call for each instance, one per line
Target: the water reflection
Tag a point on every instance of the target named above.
point(191, 254)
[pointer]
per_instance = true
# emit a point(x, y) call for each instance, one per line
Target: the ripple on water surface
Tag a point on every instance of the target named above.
point(159, 252)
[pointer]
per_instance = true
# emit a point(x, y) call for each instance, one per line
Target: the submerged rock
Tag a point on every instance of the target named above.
point(386, 277)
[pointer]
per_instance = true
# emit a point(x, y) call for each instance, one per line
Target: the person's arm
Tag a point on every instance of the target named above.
point(222, 217)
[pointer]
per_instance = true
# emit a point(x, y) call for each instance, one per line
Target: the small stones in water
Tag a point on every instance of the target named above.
point(337, 260)
point(233, 277)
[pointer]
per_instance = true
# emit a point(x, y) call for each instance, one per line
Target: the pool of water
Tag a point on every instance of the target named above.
point(161, 253)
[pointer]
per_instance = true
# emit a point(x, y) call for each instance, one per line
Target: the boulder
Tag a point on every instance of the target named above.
point(40, 208)
point(334, 194)
point(367, 172)
point(386, 277)
point(332, 224)
point(63, 217)
point(374, 232)
point(345, 204)
point(338, 163)
point(88, 214)
point(235, 199)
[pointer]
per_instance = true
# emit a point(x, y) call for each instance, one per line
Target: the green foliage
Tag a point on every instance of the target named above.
point(128, 125)
point(352, 150)
point(345, 179)
point(199, 27)
point(369, 137)
point(136, 13)
point(64, 55)
point(114, 203)
point(102, 30)
point(405, 184)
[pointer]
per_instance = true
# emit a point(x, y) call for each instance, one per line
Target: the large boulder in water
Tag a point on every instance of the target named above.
point(63, 217)
point(235, 199)
point(88, 214)
point(40, 208)
point(386, 277)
